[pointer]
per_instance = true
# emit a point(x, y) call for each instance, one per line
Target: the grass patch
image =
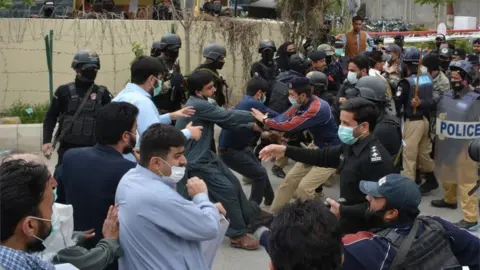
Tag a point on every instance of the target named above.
point(28, 113)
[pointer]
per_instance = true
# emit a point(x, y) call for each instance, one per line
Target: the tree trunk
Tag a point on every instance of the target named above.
point(436, 8)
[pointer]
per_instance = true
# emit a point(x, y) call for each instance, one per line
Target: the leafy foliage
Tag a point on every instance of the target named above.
point(28, 113)
point(4, 4)
point(138, 50)
point(434, 2)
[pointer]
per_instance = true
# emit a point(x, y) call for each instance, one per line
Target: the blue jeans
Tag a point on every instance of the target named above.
point(247, 164)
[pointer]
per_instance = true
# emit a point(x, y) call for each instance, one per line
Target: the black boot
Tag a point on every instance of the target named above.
point(430, 183)
point(442, 204)
point(418, 177)
point(278, 172)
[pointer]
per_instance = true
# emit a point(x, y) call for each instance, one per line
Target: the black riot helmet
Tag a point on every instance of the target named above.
point(214, 52)
point(170, 42)
point(266, 44)
point(372, 88)
point(411, 58)
point(299, 63)
point(318, 80)
point(464, 67)
point(155, 51)
point(86, 59)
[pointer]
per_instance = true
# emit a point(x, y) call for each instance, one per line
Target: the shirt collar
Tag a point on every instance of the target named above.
point(361, 144)
point(135, 88)
point(164, 179)
point(108, 149)
point(17, 259)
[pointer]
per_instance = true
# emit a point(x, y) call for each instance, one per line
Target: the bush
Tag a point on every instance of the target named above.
point(28, 113)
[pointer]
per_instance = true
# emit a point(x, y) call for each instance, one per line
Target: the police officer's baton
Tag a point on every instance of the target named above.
point(474, 189)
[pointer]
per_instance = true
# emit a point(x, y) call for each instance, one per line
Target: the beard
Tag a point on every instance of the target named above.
point(374, 219)
point(129, 148)
point(37, 245)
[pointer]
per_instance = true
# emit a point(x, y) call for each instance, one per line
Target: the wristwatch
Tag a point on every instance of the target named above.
point(265, 117)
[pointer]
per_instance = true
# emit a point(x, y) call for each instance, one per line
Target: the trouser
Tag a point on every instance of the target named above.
point(461, 175)
point(224, 187)
point(417, 148)
point(302, 179)
point(247, 164)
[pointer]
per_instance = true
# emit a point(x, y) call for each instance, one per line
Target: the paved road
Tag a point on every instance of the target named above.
point(235, 259)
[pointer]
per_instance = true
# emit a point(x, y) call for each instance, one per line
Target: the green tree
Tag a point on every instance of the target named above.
point(436, 6)
point(4, 4)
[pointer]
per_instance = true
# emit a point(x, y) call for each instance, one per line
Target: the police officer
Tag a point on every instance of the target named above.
point(319, 82)
point(453, 166)
point(360, 156)
point(415, 110)
point(266, 67)
point(172, 93)
point(387, 130)
point(475, 62)
point(74, 105)
point(214, 55)
point(445, 57)
point(334, 69)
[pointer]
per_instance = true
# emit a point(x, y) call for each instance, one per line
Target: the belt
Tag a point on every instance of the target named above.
point(414, 118)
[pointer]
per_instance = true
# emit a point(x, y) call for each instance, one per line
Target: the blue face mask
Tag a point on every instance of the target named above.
point(339, 52)
point(158, 89)
point(293, 101)
point(346, 135)
point(55, 196)
point(264, 98)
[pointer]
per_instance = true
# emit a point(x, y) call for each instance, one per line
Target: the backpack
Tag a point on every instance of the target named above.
point(427, 250)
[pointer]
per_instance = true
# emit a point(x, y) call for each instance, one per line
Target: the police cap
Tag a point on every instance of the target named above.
point(266, 44)
point(299, 83)
point(431, 61)
point(445, 53)
point(85, 59)
point(171, 42)
point(372, 88)
point(460, 52)
point(214, 52)
point(398, 37)
point(317, 56)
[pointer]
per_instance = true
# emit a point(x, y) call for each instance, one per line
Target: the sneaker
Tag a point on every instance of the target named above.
point(469, 226)
point(442, 204)
point(278, 172)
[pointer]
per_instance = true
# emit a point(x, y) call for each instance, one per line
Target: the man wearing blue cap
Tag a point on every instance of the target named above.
point(311, 113)
point(393, 209)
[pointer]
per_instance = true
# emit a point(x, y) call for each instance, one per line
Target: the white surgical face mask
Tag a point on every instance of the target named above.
point(177, 172)
point(62, 231)
point(352, 77)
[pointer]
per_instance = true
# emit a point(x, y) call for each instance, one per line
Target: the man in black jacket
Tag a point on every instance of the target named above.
point(361, 156)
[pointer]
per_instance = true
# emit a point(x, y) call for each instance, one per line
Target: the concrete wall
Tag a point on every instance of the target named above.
point(409, 11)
point(23, 66)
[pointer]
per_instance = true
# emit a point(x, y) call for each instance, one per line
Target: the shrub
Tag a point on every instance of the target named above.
point(28, 113)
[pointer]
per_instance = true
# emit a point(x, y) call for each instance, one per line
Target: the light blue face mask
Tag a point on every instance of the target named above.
point(293, 101)
point(55, 196)
point(264, 98)
point(158, 89)
point(345, 134)
point(339, 52)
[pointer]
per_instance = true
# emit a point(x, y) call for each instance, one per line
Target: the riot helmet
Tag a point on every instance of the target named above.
point(170, 44)
point(318, 80)
point(215, 53)
point(299, 63)
point(464, 68)
point(411, 58)
point(372, 88)
point(267, 49)
point(155, 51)
point(87, 64)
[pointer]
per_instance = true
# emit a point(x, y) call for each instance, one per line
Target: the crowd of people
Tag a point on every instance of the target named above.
point(141, 182)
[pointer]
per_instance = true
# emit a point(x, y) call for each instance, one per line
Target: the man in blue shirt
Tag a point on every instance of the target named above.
point(234, 149)
point(159, 229)
point(311, 113)
point(90, 175)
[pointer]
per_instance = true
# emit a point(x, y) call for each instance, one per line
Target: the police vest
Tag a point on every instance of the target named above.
point(82, 131)
point(425, 92)
point(430, 250)
point(458, 124)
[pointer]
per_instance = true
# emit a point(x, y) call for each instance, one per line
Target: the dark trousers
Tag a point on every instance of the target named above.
point(247, 164)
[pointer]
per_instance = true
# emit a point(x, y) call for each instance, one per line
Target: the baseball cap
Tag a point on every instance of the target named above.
point(473, 59)
point(460, 52)
point(393, 48)
point(326, 48)
point(400, 191)
point(299, 83)
point(317, 56)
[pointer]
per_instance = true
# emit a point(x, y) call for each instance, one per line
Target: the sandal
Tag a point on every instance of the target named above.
point(245, 242)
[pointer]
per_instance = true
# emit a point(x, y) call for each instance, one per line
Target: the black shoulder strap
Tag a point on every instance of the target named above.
point(100, 92)
point(73, 91)
point(405, 247)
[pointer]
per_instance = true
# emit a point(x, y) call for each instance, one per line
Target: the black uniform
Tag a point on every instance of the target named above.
point(267, 72)
point(388, 131)
point(64, 105)
point(365, 160)
point(173, 96)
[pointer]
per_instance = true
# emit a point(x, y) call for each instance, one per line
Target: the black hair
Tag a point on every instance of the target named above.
point(197, 80)
point(375, 57)
point(405, 216)
point(476, 41)
point(157, 141)
point(282, 56)
point(22, 185)
point(363, 111)
point(257, 83)
point(361, 61)
point(145, 66)
point(357, 18)
point(113, 120)
point(305, 235)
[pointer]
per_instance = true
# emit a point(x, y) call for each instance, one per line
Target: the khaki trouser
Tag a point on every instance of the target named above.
point(416, 152)
point(461, 175)
point(301, 179)
point(281, 162)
